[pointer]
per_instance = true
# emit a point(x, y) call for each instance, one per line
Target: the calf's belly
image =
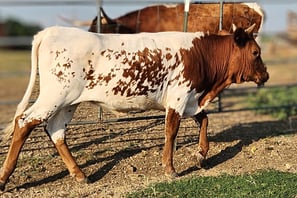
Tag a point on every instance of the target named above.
point(120, 104)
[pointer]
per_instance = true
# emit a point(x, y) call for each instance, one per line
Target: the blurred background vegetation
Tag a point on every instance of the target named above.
point(15, 29)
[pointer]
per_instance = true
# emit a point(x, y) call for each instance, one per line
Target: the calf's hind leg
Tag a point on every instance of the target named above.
point(20, 134)
point(56, 129)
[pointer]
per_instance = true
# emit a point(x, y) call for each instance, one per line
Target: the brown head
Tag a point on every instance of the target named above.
point(245, 60)
point(109, 25)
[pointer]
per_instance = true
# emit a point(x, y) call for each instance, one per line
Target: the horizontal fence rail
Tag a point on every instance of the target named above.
point(15, 41)
point(93, 2)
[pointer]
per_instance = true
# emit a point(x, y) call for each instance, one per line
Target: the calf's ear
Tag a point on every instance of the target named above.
point(240, 37)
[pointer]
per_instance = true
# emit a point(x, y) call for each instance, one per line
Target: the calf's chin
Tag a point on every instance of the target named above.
point(262, 79)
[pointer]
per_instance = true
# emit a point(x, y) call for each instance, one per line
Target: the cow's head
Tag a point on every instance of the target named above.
point(245, 62)
point(109, 25)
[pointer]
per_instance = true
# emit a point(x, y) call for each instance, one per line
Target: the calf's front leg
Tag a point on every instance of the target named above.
point(203, 145)
point(172, 122)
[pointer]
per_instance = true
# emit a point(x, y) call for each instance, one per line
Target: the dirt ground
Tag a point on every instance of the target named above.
point(121, 157)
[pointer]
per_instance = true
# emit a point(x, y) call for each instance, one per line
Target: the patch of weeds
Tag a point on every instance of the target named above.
point(282, 100)
point(268, 183)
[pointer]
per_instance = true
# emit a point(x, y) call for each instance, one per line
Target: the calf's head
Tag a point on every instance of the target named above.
point(245, 61)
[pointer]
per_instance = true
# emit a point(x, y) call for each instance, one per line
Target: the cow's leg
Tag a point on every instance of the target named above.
point(203, 145)
point(19, 137)
point(56, 129)
point(172, 122)
point(39, 112)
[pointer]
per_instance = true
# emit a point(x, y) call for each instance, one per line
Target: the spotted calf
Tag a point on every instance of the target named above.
point(177, 72)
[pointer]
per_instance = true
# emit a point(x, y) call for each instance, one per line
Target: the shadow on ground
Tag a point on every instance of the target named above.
point(245, 134)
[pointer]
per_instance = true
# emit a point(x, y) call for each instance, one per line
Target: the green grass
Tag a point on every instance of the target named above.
point(284, 96)
point(260, 184)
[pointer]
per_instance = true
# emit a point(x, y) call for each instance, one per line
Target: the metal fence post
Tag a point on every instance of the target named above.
point(99, 5)
point(221, 14)
point(186, 14)
point(220, 109)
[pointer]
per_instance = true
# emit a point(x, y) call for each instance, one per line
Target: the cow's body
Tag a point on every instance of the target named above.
point(203, 17)
point(173, 71)
point(113, 72)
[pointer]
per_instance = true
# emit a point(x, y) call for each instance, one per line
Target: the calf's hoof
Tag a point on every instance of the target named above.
point(83, 180)
point(80, 177)
point(200, 160)
point(171, 175)
point(2, 186)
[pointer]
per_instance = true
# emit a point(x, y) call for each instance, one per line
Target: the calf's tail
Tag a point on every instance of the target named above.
point(7, 132)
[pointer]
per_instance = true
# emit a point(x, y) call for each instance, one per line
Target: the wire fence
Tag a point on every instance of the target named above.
point(215, 109)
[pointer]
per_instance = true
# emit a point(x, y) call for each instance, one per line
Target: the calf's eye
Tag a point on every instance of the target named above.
point(255, 53)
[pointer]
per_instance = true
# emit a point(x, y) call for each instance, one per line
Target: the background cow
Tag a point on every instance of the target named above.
point(170, 17)
point(177, 72)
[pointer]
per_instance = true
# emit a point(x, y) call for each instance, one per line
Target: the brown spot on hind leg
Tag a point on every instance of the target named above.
point(68, 159)
point(18, 139)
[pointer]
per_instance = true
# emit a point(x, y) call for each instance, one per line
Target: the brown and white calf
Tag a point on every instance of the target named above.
point(177, 72)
